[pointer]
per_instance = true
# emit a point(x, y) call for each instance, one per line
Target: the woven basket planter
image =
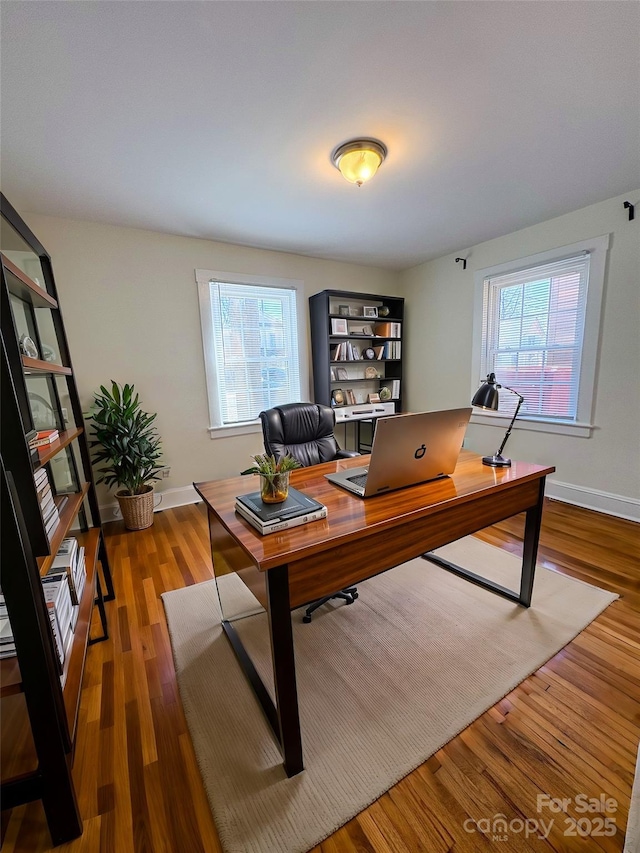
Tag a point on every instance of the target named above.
point(137, 510)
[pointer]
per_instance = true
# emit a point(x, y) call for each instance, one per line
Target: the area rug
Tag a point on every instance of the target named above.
point(383, 684)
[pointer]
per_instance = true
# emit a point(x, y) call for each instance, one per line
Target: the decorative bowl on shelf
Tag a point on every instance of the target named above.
point(28, 347)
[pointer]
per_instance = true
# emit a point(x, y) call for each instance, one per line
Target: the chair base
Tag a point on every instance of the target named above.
point(349, 595)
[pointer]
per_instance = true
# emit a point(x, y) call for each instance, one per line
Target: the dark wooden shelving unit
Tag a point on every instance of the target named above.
point(323, 309)
point(39, 698)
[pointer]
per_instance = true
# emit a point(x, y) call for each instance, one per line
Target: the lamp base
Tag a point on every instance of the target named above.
point(496, 461)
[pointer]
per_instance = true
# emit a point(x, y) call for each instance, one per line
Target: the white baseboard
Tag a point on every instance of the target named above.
point(166, 499)
point(610, 504)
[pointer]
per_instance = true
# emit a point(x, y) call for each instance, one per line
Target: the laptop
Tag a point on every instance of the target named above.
point(407, 450)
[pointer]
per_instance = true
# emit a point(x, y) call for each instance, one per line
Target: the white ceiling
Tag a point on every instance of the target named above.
point(218, 119)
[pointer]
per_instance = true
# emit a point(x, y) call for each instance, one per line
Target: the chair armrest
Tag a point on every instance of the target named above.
point(347, 454)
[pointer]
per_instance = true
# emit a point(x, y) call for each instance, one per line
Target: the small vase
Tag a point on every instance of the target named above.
point(275, 488)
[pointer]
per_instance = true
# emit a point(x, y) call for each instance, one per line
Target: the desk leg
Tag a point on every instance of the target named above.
point(530, 547)
point(529, 555)
point(284, 669)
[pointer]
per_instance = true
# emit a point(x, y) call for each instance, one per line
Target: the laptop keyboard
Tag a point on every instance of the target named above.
point(359, 480)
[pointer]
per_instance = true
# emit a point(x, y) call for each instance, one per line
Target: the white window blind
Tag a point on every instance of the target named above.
point(532, 335)
point(254, 360)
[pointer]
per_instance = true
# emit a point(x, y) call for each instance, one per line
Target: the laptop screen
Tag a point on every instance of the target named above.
point(410, 449)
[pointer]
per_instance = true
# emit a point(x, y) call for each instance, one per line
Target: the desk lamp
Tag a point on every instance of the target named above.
point(487, 397)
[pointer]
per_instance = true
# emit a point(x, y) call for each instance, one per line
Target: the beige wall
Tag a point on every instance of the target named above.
point(130, 304)
point(439, 331)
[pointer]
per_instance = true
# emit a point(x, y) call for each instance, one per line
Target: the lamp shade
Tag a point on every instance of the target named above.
point(487, 397)
point(358, 160)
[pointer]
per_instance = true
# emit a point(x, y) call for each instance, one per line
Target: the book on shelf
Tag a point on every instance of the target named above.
point(46, 500)
point(43, 488)
point(390, 329)
point(47, 433)
point(67, 555)
point(70, 561)
point(56, 592)
point(57, 634)
point(61, 501)
point(80, 574)
point(48, 507)
point(51, 525)
point(44, 437)
point(54, 575)
point(297, 509)
point(7, 644)
point(40, 477)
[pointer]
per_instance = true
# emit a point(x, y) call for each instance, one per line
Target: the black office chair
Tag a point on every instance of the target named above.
point(305, 431)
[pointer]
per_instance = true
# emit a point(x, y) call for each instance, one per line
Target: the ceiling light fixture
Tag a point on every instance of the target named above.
point(359, 159)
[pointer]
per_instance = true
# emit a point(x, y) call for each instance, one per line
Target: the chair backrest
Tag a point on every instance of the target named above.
point(304, 430)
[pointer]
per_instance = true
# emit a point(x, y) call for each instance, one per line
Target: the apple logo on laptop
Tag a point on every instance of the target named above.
point(420, 452)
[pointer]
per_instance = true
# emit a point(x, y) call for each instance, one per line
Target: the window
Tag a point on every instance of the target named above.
point(250, 331)
point(536, 327)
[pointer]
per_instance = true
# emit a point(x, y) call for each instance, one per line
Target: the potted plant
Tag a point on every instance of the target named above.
point(274, 476)
point(126, 439)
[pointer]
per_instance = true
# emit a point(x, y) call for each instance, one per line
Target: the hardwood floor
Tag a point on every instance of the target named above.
point(571, 728)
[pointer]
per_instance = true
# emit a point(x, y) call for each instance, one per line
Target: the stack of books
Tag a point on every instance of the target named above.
point(390, 329)
point(58, 598)
point(7, 645)
point(269, 518)
point(43, 437)
point(390, 350)
point(48, 506)
point(70, 561)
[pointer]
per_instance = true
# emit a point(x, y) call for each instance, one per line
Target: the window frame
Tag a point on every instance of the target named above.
point(582, 426)
point(203, 279)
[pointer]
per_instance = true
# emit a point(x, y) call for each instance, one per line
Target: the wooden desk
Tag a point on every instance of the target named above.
point(359, 539)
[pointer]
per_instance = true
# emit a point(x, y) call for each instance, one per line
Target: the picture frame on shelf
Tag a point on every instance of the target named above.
point(373, 398)
point(367, 330)
point(345, 310)
point(341, 373)
point(339, 326)
point(369, 311)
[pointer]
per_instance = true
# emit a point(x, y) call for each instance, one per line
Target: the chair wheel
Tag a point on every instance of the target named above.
point(306, 619)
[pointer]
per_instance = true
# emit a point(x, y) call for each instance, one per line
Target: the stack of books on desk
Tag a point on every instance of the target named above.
point(268, 518)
